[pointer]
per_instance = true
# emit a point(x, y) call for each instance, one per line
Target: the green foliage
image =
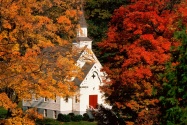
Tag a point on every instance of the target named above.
point(85, 117)
point(174, 96)
point(77, 118)
point(47, 121)
point(69, 117)
point(64, 118)
point(105, 116)
point(3, 112)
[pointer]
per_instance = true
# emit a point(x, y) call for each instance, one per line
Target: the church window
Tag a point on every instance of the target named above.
point(54, 114)
point(45, 99)
point(45, 112)
point(76, 99)
point(66, 99)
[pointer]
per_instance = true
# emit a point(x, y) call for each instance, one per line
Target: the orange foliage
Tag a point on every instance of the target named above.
point(22, 118)
point(6, 102)
point(30, 32)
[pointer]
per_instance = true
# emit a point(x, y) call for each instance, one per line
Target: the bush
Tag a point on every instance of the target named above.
point(77, 118)
point(59, 117)
point(91, 119)
point(85, 117)
point(105, 116)
point(71, 115)
point(64, 118)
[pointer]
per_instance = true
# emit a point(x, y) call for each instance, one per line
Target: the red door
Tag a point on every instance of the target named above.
point(93, 101)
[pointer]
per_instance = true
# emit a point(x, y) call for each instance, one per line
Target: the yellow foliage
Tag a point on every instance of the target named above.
point(6, 102)
point(24, 68)
point(20, 118)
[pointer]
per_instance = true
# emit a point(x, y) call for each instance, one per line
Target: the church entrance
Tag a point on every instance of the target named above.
point(93, 100)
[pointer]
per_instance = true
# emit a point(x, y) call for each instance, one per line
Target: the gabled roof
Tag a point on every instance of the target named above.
point(50, 54)
point(86, 68)
point(50, 50)
point(78, 54)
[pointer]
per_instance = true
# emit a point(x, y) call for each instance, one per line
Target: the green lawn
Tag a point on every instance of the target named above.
point(55, 122)
point(80, 123)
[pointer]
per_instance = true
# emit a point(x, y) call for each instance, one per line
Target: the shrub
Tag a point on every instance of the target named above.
point(85, 117)
point(71, 115)
point(77, 118)
point(105, 116)
point(91, 119)
point(64, 118)
point(59, 117)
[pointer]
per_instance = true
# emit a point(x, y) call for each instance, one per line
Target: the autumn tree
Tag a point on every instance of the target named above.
point(30, 31)
point(135, 51)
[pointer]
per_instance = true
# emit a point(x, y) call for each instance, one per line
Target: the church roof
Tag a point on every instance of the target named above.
point(50, 54)
point(79, 53)
point(86, 68)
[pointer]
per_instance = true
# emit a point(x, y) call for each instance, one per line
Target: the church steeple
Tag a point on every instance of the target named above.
point(82, 22)
point(82, 39)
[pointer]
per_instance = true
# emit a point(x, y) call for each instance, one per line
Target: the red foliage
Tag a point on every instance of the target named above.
point(139, 38)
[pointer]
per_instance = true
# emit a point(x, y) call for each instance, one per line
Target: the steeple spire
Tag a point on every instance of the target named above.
point(82, 31)
point(82, 20)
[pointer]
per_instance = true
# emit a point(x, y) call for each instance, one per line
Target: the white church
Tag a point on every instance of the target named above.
point(89, 94)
